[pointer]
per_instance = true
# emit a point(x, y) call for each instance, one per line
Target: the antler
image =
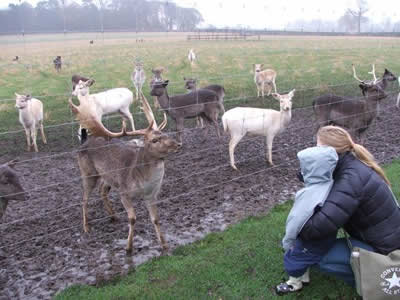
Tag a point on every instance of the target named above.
point(355, 75)
point(148, 112)
point(373, 73)
point(363, 81)
point(86, 120)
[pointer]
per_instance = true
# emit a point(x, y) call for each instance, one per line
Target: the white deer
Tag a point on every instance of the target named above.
point(107, 102)
point(138, 78)
point(191, 57)
point(240, 121)
point(31, 117)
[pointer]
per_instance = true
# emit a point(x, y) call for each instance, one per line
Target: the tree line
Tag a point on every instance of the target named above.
point(98, 15)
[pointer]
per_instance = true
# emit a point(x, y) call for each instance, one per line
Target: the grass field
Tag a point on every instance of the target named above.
point(243, 262)
point(312, 65)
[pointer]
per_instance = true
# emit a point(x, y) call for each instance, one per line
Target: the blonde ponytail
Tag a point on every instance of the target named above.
point(341, 140)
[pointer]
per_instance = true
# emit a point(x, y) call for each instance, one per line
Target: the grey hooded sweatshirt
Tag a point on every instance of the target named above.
point(317, 165)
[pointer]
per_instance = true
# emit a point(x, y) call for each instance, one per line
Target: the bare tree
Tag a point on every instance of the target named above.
point(359, 12)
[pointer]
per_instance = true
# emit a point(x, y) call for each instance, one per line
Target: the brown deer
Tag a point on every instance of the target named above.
point(10, 186)
point(355, 114)
point(132, 170)
point(200, 103)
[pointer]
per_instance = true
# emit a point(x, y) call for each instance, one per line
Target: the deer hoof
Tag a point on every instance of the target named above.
point(113, 219)
point(86, 229)
point(128, 251)
point(234, 167)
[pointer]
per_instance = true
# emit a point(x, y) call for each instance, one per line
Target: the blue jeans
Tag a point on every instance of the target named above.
point(305, 254)
point(336, 261)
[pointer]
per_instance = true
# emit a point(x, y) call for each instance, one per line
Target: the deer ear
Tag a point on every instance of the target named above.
point(90, 82)
point(291, 93)
point(276, 96)
point(184, 78)
point(17, 95)
point(28, 97)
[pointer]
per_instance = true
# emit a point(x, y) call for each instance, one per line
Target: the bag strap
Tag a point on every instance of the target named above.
point(348, 240)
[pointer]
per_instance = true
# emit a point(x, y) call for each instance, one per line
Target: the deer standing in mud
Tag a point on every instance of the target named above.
point(135, 171)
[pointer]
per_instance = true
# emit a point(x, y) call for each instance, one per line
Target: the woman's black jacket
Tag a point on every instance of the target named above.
point(361, 202)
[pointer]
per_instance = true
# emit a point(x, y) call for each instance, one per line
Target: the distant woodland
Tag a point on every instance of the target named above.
point(96, 15)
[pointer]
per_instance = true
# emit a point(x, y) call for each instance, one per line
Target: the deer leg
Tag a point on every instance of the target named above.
point(104, 191)
point(215, 123)
point(127, 203)
point(28, 139)
point(262, 89)
point(179, 129)
point(152, 208)
point(42, 132)
point(33, 135)
point(270, 139)
point(273, 83)
point(235, 139)
point(89, 183)
point(127, 116)
point(398, 101)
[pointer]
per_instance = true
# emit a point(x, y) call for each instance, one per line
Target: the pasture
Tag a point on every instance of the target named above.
point(42, 244)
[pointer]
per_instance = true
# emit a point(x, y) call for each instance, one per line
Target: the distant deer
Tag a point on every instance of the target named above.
point(240, 121)
point(31, 117)
point(264, 79)
point(157, 77)
point(57, 63)
point(203, 103)
point(10, 186)
point(91, 42)
point(16, 58)
point(190, 85)
point(138, 78)
point(355, 114)
point(192, 57)
point(132, 170)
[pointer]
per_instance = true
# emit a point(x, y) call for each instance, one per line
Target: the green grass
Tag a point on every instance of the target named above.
point(311, 65)
point(243, 262)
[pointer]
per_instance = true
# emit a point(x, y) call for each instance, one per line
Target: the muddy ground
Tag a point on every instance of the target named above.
point(42, 245)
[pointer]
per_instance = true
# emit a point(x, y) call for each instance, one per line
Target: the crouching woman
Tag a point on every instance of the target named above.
point(360, 201)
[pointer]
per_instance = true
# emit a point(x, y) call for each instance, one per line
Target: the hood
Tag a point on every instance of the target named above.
point(317, 164)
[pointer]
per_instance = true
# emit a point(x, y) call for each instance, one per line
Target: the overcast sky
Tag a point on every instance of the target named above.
point(273, 13)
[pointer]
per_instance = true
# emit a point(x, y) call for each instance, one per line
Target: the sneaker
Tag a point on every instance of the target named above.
point(292, 285)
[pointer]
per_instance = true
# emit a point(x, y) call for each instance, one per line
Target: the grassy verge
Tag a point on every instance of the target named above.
point(242, 262)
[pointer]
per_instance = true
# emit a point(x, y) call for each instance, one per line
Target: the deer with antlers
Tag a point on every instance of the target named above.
point(355, 114)
point(381, 82)
point(132, 170)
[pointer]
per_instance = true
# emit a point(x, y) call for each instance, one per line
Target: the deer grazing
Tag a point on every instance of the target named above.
point(191, 57)
point(190, 85)
point(10, 186)
point(264, 79)
point(240, 121)
point(200, 103)
point(107, 102)
point(31, 117)
point(132, 170)
point(354, 114)
point(57, 63)
point(138, 78)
